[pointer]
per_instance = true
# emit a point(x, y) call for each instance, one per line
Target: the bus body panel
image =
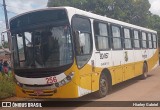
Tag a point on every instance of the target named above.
point(87, 83)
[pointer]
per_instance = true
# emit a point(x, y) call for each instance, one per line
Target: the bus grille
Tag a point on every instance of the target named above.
point(38, 90)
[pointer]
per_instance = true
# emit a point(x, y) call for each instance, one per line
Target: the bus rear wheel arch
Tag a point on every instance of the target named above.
point(105, 84)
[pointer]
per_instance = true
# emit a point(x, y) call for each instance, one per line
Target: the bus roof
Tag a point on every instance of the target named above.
point(90, 15)
point(110, 20)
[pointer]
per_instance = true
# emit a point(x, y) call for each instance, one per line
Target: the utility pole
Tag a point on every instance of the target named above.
point(7, 26)
point(5, 13)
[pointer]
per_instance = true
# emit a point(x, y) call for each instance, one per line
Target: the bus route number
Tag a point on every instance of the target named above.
point(103, 55)
point(51, 80)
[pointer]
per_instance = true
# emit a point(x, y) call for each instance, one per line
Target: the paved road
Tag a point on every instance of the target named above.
point(132, 90)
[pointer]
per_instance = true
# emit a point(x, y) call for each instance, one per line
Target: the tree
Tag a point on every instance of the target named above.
point(131, 11)
point(154, 23)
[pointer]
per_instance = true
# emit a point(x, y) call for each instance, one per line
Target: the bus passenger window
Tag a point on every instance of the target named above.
point(150, 41)
point(117, 40)
point(154, 41)
point(136, 39)
point(144, 40)
point(127, 36)
point(101, 36)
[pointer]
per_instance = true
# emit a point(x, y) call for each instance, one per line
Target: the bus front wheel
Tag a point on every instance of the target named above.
point(103, 87)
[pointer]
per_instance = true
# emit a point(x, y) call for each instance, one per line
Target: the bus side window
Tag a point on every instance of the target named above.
point(101, 36)
point(150, 45)
point(154, 41)
point(144, 40)
point(136, 39)
point(127, 38)
point(83, 41)
point(117, 39)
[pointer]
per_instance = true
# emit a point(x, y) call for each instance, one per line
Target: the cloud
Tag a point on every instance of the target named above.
point(155, 8)
point(2, 24)
point(20, 6)
point(15, 7)
point(1, 21)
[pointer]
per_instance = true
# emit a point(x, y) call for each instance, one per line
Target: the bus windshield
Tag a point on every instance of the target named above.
point(44, 47)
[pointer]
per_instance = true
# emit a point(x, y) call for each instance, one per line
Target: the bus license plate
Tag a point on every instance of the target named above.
point(38, 92)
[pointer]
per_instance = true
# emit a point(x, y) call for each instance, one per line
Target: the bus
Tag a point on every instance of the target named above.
point(65, 52)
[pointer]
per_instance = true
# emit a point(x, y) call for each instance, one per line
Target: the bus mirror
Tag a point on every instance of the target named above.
point(4, 42)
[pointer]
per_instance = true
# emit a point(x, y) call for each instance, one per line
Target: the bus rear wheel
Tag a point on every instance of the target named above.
point(103, 87)
point(145, 71)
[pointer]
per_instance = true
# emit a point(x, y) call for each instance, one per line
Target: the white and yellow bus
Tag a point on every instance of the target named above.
point(64, 52)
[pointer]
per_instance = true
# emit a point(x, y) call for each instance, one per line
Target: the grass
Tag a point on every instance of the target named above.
point(7, 86)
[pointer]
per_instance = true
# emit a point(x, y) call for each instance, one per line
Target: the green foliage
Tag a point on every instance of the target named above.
point(131, 11)
point(7, 86)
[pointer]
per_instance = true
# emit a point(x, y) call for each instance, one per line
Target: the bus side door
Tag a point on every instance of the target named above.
point(118, 65)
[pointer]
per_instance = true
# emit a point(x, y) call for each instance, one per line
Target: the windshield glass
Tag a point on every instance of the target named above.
point(45, 47)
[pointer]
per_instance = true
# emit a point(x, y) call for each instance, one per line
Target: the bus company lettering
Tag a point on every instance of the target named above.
point(104, 63)
point(126, 56)
point(144, 55)
point(104, 55)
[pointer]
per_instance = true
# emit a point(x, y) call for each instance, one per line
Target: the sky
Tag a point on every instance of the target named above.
point(15, 7)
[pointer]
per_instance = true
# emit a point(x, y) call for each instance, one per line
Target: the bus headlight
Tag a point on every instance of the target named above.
point(57, 84)
point(63, 82)
point(66, 80)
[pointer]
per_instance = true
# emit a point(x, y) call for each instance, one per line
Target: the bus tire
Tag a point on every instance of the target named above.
point(145, 71)
point(103, 87)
